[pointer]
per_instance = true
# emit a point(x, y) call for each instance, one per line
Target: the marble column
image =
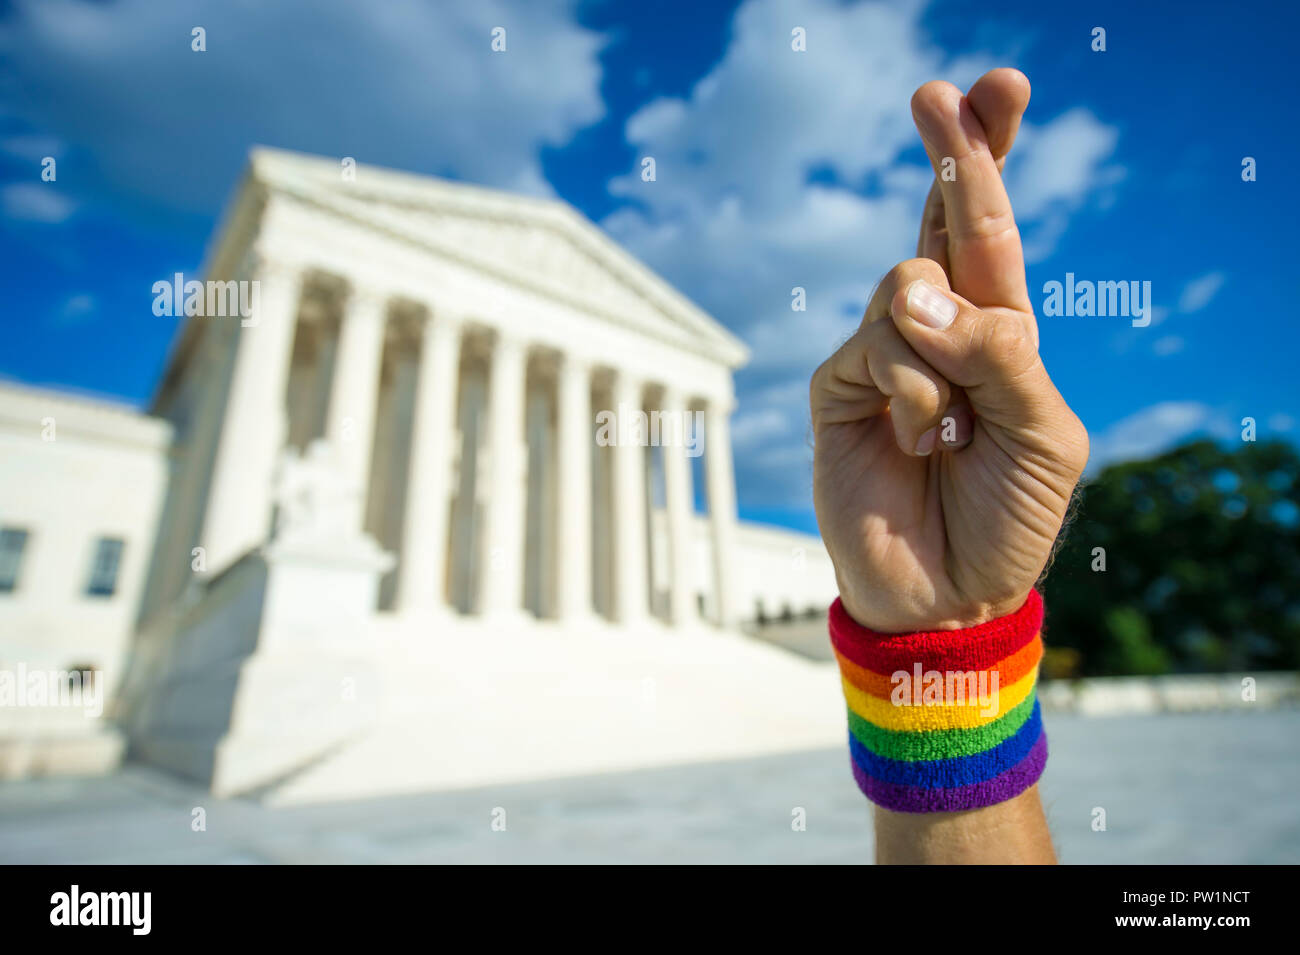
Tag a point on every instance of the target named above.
point(680, 505)
point(354, 393)
point(254, 424)
point(628, 517)
point(575, 440)
point(721, 481)
point(423, 567)
point(501, 579)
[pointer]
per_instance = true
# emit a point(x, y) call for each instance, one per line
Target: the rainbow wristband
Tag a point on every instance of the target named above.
point(943, 721)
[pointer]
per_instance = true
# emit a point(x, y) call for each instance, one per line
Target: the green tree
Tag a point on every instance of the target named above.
point(1201, 549)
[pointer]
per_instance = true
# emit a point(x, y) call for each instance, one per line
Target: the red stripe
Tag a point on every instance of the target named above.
point(1011, 670)
point(974, 648)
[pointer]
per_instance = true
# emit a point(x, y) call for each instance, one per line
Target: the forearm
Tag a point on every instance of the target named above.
point(944, 463)
point(1009, 833)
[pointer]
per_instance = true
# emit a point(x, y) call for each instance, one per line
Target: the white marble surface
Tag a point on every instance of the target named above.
point(1195, 788)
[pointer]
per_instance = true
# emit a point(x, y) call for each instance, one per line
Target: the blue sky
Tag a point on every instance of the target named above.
point(775, 169)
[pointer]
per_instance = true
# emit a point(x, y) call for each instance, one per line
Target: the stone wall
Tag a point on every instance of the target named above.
point(1124, 695)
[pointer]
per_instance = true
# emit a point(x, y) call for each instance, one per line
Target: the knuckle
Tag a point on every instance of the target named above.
point(908, 271)
point(817, 383)
point(895, 277)
point(929, 396)
point(817, 394)
point(1078, 445)
point(993, 225)
point(1004, 345)
point(877, 335)
point(818, 374)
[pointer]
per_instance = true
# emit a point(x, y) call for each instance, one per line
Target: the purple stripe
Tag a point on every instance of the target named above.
point(1000, 788)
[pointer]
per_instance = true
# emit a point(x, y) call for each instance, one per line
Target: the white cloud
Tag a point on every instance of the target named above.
point(752, 429)
point(771, 437)
point(1195, 296)
point(32, 147)
point(1198, 293)
point(1155, 429)
point(1054, 169)
point(1168, 345)
point(734, 221)
point(402, 83)
point(1158, 314)
point(36, 202)
point(1281, 421)
point(1057, 165)
point(770, 412)
point(76, 309)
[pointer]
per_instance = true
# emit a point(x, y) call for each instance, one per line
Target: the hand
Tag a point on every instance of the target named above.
point(945, 457)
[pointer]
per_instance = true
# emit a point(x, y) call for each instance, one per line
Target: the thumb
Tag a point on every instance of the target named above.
point(991, 353)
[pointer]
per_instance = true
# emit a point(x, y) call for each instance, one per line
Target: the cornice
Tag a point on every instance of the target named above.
point(298, 177)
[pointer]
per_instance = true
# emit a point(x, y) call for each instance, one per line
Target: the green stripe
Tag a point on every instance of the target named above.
point(939, 744)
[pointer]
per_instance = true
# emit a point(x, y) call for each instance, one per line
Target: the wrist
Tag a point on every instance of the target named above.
point(897, 620)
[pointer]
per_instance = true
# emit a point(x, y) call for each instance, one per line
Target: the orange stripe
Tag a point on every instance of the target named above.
point(1010, 670)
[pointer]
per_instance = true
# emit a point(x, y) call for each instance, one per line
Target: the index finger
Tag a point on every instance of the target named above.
point(985, 258)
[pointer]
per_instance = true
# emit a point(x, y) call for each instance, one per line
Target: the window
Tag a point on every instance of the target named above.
point(12, 542)
point(103, 569)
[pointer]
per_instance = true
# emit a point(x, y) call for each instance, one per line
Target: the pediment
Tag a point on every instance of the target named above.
point(544, 244)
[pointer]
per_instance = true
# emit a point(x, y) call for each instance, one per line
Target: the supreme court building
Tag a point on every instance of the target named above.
point(377, 533)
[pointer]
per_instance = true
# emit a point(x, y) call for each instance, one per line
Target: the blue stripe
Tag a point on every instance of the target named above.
point(958, 771)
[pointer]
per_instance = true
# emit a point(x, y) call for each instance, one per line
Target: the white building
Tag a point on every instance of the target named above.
point(373, 534)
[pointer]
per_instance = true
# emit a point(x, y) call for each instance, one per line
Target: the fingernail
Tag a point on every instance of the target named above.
point(925, 444)
point(929, 306)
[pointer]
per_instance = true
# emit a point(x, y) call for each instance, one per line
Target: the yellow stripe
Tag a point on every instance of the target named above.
point(937, 716)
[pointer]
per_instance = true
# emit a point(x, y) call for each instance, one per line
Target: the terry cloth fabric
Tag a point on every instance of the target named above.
point(945, 720)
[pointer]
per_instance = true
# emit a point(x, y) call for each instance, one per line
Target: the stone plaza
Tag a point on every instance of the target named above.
point(1177, 788)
